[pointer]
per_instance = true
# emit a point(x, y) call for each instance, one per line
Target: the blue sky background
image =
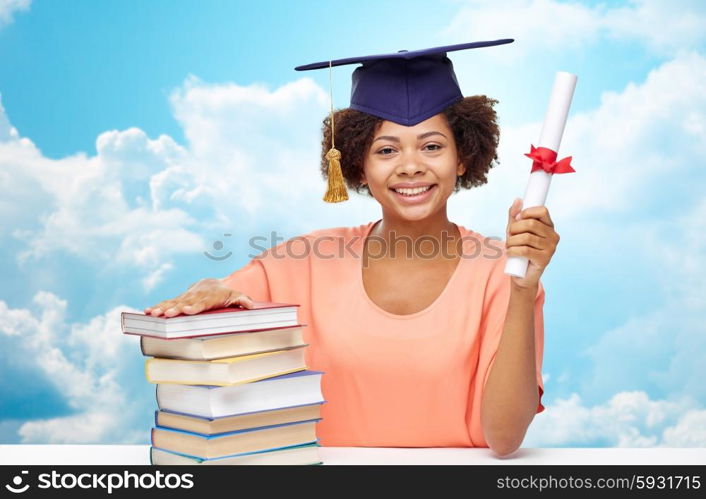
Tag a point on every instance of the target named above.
point(133, 135)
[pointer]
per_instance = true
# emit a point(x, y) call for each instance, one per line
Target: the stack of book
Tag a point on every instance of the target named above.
point(232, 386)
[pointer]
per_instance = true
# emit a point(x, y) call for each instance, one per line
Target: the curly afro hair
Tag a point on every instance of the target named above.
point(472, 120)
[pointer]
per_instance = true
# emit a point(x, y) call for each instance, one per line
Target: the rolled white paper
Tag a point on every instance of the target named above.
point(550, 137)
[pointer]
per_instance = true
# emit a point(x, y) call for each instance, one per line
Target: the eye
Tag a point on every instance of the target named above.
point(386, 151)
point(434, 147)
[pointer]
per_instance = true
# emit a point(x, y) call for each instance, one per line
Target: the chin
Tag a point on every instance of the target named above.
point(412, 214)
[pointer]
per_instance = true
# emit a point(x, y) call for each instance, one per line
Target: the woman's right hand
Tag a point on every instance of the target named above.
point(205, 294)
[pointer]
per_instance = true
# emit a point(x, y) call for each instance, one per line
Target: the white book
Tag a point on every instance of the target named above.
point(290, 390)
point(214, 426)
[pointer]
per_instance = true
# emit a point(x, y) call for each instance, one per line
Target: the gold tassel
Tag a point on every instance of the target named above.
point(336, 186)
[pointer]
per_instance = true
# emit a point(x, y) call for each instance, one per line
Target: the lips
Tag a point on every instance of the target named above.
point(411, 191)
point(415, 195)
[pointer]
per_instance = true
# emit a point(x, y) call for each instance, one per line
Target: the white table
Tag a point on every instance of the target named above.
point(139, 454)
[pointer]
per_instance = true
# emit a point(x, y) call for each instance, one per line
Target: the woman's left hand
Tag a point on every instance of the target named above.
point(530, 233)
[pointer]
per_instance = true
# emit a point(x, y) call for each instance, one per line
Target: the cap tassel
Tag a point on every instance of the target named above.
point(336, 186)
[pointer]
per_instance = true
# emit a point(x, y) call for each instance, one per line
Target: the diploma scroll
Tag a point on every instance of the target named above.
point(549, 140)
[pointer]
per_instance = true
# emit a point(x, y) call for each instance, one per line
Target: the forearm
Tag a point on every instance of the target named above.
point(510, 397)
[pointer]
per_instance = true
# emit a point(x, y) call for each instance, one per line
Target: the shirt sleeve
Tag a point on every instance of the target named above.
point(251, 279)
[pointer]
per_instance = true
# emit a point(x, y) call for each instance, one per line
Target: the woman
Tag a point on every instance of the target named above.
point(424, 340)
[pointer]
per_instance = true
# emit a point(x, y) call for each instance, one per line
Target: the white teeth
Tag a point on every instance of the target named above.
point(412, 192)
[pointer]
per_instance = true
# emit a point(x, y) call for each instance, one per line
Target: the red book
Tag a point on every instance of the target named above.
point(263, 316)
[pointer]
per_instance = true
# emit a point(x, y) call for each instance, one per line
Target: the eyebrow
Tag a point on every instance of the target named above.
point(419, 137)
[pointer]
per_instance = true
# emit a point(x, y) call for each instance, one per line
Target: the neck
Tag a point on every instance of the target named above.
point(437, 226)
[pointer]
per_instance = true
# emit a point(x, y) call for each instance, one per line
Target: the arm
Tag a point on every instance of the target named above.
point(510, 397)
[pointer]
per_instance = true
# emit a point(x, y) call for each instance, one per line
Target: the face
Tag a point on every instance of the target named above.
point(411, 170)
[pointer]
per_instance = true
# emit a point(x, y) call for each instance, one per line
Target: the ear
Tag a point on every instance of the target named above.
point(460, 168)
point(363, 180)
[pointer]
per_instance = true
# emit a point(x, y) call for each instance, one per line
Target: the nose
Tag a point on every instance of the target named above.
point(411, 164)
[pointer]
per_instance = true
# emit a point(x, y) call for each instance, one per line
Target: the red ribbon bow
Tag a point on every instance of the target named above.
point(545, 159)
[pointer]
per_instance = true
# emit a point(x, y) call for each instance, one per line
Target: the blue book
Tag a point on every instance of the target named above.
point(306, 454)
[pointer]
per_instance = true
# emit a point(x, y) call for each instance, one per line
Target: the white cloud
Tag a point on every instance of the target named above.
point(98, 208)
point(690, 431)
point(250, 161)
point(663, 349)
point(8, 8)
point(96, 369)
point(550, 25)
point(7, 131)
point(658, 24)
point(90, 427)
point(156, 277)
point(628, 419)
point(527, 21)
point(679, 242)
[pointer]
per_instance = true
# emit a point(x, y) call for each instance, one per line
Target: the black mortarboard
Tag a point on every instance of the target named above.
point(406, 87)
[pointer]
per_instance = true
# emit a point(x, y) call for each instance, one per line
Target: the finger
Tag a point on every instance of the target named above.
point(149, 310)
point(175, 309)
point(515, 209)
point(540, 213)
point(513, 212)
point(528, 252)
point(196, 308)
point(532, 225)
point(237, 298)
point(527, 239)
point(159, 309)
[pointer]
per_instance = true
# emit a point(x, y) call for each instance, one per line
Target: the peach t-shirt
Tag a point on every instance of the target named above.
point(392, 380)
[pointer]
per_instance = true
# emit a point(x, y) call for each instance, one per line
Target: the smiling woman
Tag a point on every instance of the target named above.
point(433, 346)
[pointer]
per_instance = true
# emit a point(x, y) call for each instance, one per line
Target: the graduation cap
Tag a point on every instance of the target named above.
point(405, 87)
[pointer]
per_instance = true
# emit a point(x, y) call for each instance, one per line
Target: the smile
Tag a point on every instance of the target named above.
point(414, 195)
point(412, 192)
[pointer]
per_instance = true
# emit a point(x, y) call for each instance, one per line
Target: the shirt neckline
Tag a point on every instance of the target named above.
point(381, 310)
